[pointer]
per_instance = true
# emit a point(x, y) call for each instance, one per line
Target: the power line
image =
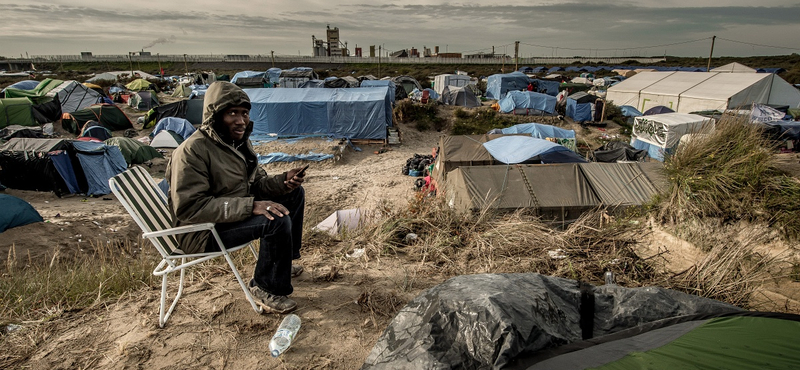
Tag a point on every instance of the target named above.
point(754, 44)
point(620, 49)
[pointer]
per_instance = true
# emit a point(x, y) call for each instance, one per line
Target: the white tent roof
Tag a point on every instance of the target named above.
point(112, 76)
point(734, 68)
point(687, 92)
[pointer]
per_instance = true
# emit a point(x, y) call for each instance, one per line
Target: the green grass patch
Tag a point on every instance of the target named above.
point(480, 121)
point(422, 116)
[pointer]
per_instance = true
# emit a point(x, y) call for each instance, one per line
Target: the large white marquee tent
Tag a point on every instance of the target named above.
point(687, 92)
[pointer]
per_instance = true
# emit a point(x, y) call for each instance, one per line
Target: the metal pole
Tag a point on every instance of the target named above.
point(185, 66)
point(516, 55)
point(713, 38)
point(272, 52)
point(131, 62)
point(160, 70)
point(380, 50)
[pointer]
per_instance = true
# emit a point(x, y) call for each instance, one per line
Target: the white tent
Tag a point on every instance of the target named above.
point(114, 75)
point(665, 130)
point(342, 220)
point(74, 96)
point(440, 82)
point(734, 68)
point(686, 92)
point(165, 139)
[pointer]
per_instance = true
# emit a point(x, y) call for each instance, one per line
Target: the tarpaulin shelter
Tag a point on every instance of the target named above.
point(441, 82)
point(190, 109)
point(460, 96)
point(527, 101)
point(687, 92)
point(546, 86)
point(362, 113)
point(579, 106)
point(660, 134)
point(557, 192)
point(342, 82)
point(497, 85)
point(16, 212)
point(734, 68)
point(525, 149)
point(247, 75)
point(177, 125)
point(312, 84)
point(293, 78)
point(461, 150)
point(764, 113)
point(41, 165)
point(108, 115)
point(16, 111)
point(100, 162)
point(393, 90)
point(115, 75)
point(629, 111)
point(134, 151)
point(531, 321)
point(273, 75)
point(618, 151)
point(541, 131)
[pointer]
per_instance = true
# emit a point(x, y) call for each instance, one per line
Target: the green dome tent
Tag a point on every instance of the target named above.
point(108, 115)
point(138, 85)
point(134, 151)
point(16, 111)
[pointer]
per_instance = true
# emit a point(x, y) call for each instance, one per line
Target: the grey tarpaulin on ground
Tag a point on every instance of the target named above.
point(485, 321)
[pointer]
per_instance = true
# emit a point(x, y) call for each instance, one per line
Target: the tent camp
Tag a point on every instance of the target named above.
point(16, 212)
point(498, 85)
point(108, 115)
point(460, 96)
point(660, 134)
point(134, 151)
point(71, 95)
point(441, 82)
point(531, 321)
point(557, 192)
point(191, 110)
point(687, 92)
point(115, 75)
point(527, 102)
point(461, 150)
point(362, 113)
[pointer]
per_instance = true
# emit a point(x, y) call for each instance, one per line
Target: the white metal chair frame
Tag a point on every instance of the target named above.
point(161, 236)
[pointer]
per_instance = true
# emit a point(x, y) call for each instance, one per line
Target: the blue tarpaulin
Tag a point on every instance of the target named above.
point(527, 100)
point(579, 112)
point(518, 149)
point(63, 165)
point(284, 157)
point(23, 85)
point(498, 85)
point(376, 83)
point(539, 131)
point(361, 113)
point(100, 162)
point(177, 125)
point(246, 74)
point(274, 75)
point(16, 212)
point(629, 111)
point(547, 87)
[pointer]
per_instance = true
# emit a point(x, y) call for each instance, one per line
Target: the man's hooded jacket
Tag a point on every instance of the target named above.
point(210, 179)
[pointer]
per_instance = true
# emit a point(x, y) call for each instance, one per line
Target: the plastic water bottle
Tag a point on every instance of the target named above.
point(283, 337)
point(609, 278)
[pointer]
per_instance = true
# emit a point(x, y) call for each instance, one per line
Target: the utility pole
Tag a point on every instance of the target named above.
point(516, 55)
point(160, 70)
point(272, 53)
point(379, 60)
point(713, 38)
point(185, 66)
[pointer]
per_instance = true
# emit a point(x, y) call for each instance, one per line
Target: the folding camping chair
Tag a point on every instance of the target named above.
point(147, 204)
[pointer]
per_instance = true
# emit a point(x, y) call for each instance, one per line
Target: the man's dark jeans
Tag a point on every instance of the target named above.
point(280, 242)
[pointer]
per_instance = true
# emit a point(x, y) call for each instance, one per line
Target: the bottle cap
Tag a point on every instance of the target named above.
point(275, 353)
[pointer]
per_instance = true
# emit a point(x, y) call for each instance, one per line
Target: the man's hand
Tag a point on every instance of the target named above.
point(269, 209)
point(294, 178)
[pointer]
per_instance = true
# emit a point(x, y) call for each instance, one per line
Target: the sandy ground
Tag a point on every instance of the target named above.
point(213, 326)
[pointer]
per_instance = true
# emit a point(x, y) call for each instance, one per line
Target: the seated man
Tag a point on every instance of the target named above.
point(214, 177)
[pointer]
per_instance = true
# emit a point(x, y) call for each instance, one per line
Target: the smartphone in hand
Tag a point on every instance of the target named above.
point(302, 171)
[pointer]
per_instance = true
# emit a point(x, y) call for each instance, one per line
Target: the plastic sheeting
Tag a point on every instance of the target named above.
point(786, 130)
point(362, 113)
point(284, 157)
point(274, 75)
point(498, 85)
point(377, 83)
point(246, 74)
point(539, 130)
point(527, 100)
point(547, 87)
point(579, 112)
point(485, 321)
point(100, 162)
point(764, 113)
point(518, 149)
point(177, 125)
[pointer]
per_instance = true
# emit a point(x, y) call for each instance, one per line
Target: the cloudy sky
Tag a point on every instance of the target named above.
point(552, 28)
